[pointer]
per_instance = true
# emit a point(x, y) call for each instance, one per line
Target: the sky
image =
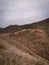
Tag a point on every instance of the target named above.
point(22, 12)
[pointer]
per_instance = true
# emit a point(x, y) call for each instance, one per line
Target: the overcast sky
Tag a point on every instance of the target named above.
point(23, 11)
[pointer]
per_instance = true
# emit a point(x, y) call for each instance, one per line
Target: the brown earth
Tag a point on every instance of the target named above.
point(12, 52)
point(43, 25)
point(25, 45)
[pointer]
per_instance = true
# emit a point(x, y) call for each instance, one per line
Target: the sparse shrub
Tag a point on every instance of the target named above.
point(9, 60)
point(39, 63)
point(12, 35)
point(2, 46)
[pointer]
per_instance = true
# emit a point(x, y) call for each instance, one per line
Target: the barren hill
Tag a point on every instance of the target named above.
point(44, 25)
point(25, 45)
point(12, 52)
point(9, 29)
point(36, 40)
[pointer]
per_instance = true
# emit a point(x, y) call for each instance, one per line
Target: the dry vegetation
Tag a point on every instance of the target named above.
point(36, 40)
point(10, 55)
point(25, 45)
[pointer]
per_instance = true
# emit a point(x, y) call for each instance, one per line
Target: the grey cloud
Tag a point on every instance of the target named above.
point(23, 11)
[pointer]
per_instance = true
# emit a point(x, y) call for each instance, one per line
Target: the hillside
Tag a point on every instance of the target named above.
point(12, 52)
point(36, 40)
point(9, 29)
point(44, 25)
point(25, 45)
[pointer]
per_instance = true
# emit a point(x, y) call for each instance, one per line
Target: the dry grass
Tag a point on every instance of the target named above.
point(10, 55)
point(13, 48)
point(36, 40)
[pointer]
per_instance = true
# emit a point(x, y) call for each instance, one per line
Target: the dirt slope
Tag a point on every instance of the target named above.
point(25, 45)
point(36, 40)
point(10, 55)
point(44, 25)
